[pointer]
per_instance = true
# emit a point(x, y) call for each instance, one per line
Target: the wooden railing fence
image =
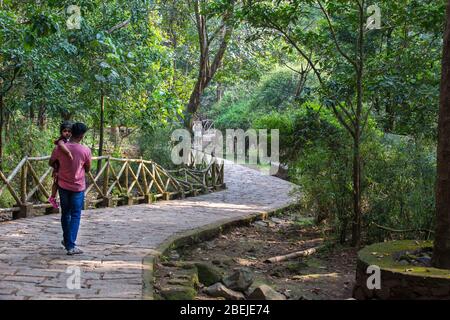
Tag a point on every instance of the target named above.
point(120, 181)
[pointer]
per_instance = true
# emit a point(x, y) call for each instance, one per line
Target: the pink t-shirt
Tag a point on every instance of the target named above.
point(71, 173)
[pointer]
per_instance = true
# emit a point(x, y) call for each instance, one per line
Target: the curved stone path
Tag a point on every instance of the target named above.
point(33, 264)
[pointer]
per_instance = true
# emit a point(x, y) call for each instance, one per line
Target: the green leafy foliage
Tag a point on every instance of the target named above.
point(142, 57)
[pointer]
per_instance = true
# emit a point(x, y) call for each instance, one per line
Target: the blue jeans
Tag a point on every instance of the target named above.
point(71, 205)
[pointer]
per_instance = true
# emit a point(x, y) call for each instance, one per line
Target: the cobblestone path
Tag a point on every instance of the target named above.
point(33, 264)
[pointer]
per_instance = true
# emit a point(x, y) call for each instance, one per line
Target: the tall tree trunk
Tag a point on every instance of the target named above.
point(219, 92)
point(31, 113)
point(41, 120)
point(6, 126)
point(441, 252)
point(207, 68)
point(357, 219)
point(300, 85)
point(343, 232)
point(357, 212)
point(390, 123)
point(102, 123)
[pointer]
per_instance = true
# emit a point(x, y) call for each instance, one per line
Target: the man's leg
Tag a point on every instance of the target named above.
point(75, 213)
point(65, 199)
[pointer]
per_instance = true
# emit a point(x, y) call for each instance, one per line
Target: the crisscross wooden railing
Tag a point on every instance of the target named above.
point(119, 181)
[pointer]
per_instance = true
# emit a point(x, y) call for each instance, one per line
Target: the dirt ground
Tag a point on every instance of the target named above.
point(326, 275)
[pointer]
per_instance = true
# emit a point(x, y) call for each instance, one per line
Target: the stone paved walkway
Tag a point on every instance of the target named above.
point(33, 265)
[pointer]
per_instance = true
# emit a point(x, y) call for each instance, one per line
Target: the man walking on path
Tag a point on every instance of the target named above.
point(72, 184)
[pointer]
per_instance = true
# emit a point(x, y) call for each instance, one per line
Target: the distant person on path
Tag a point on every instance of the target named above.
point(198, 131)
point(65, 132)
point(72, 184)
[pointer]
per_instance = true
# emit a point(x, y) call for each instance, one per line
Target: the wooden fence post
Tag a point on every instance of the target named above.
point(213, 175)
point(25, 208)
point(222, 175)
point(107, 199)
point(25, 211)
point(23, 182)
point(148, 197)
point(126, 176)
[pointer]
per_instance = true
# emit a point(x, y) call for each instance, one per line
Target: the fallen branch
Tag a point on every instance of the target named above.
point(303, 253)
point(401, 231)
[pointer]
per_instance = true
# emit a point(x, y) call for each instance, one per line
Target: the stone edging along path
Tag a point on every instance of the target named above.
point(195, 236)
point(122, 243)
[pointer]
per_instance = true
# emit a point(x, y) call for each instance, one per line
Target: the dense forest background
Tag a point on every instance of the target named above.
point(356, 106)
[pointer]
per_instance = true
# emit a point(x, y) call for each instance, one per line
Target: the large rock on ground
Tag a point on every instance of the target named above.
point(218, 290)
point(208, 274)
point(264, 292)
point(240, 280)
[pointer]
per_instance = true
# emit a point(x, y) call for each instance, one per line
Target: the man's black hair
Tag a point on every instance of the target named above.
point(65, 125)
point(79, 129)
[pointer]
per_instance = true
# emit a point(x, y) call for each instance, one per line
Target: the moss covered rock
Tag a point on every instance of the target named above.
point(264, 292)
point(208, 274)
point(219, 290)
point(179, 293)
point(240, 280)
